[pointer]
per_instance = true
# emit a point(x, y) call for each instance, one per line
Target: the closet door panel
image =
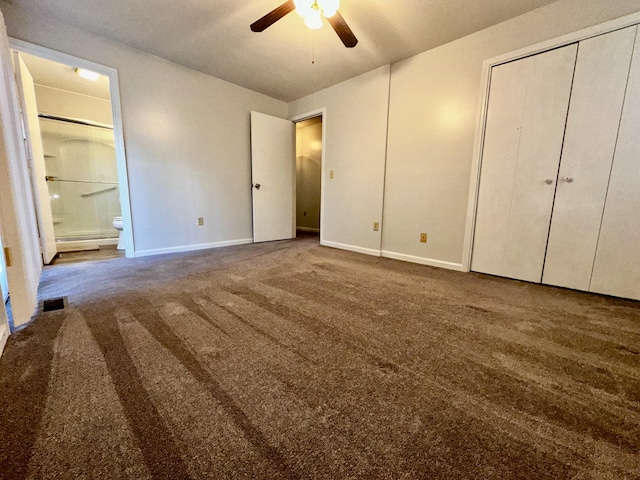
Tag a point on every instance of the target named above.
point(616, 270)
point(602, 69)
point(527, 110)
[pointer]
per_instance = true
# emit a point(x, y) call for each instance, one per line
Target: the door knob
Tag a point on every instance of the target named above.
point(548, 181)
point(257, 186)
point(568, 179)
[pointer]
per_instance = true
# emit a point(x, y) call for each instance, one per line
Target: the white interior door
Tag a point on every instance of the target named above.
point(602, 70)
point(526, 114)
point(36, 158)
point(616, 270)
point(273, 177)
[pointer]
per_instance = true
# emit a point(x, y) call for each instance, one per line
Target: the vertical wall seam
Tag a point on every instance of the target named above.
point(386, 160)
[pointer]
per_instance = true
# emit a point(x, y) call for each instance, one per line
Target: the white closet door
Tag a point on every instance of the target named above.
point(599, 84)
point(526, 114)
point(616, 270)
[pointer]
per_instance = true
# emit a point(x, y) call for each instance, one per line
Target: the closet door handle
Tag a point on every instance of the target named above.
point(568, 179)
point(548, 181)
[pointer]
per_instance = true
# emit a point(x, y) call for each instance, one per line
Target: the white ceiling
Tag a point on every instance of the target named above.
point(213, 36)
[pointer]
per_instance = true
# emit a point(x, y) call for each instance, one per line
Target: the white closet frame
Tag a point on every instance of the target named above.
point(487, 65)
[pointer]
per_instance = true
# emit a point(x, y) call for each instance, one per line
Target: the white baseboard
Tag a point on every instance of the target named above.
point(351, 248)
point(424, 261)
point(192, 248)
point(308, 229)
point(4, 336)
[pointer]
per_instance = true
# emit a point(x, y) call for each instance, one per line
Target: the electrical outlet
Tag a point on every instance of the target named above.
point(200, 221)
point(423, 238)
point(376, 226)
point(331, 174)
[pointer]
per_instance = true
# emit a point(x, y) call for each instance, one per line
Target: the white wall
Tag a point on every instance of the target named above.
point(186, 135)
point(355, 130)
point(63, 103)
point(434, 106)
point(308, 171)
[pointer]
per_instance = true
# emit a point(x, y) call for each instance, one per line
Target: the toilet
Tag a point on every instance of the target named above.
point(117, 224)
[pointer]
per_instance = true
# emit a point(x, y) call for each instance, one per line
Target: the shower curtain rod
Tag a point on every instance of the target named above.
point(74, 120)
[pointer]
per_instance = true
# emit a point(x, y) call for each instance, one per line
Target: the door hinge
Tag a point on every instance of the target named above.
point(8, 258)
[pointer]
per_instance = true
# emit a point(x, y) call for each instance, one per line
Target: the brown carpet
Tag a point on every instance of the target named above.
point(291, 360)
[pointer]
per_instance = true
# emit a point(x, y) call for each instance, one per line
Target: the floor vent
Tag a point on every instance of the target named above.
point(54, 304)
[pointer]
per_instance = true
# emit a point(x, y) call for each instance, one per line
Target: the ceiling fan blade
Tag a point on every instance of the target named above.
point(343, 30)
point(273, 16)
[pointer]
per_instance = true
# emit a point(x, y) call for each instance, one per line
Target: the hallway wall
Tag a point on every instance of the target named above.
point(356, 132)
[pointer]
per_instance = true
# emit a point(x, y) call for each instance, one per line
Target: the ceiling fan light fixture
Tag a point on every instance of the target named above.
point(313, 19)
point(329, 7)
point(303, 7)
point(312, 11)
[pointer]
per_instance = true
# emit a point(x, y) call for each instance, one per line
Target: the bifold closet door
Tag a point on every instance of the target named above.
point(616, 270)
point(526, 114)
point(600, 79)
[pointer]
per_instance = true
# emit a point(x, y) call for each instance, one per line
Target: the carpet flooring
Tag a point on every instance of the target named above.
point(289, 360)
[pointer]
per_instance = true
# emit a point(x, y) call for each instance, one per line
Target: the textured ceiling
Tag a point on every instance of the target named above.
point(213, 36)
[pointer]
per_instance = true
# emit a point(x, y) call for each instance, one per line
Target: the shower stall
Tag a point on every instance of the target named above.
point(82, 179)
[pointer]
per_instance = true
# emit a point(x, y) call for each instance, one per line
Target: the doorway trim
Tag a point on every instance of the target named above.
point(320, 112)
point(118, 133)
point(487, 66)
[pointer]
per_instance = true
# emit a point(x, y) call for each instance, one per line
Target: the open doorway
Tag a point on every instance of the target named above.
point(76, 156)
point(287, 161)
point(308, 176)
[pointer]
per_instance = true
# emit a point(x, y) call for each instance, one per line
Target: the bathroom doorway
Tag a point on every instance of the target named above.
point(308, 176)
point(83, 169)
point(82, 180)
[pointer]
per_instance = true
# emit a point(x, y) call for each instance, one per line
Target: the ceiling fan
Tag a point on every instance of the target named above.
point(312, 11)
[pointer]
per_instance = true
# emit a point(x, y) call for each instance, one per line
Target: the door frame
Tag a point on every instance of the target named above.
point(487, 65)
point(114, 90)
point(320, 112)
